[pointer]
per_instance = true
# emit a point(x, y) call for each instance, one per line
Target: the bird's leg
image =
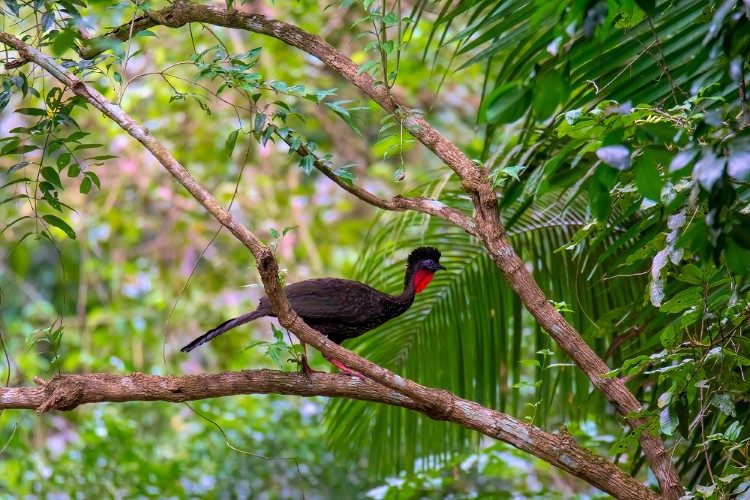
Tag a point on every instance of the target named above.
point(304, 365)
point(344, 369)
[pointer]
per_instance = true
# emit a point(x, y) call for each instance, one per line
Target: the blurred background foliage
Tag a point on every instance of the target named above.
point(616, 133)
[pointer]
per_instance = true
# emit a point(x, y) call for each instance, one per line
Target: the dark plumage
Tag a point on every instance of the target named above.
point(343, 309)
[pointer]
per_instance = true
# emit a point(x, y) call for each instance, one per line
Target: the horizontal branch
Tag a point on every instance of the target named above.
point(66, 392)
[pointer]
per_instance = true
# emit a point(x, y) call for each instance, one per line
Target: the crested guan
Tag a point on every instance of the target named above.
point(342, 309)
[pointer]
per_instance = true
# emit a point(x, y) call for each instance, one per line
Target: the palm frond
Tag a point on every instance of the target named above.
point(469, 333)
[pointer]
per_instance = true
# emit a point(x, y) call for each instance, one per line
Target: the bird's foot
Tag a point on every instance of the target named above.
point(305, 366)
point(345, 370)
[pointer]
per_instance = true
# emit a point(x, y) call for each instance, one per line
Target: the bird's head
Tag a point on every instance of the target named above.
point(422, 265)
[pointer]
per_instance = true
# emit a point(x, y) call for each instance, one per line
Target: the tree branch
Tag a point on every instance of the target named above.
point(489, 227)
point(66, 392)
point(398, 203)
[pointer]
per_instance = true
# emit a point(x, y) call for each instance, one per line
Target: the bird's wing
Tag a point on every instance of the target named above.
point(329, 298)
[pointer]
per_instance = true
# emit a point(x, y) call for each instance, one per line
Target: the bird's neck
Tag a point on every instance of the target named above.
point(415, 281)
point(401, 302)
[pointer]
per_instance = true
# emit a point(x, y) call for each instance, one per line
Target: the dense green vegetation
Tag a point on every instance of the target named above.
point(616, 134)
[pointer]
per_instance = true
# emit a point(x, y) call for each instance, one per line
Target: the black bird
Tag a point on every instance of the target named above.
point(343, 309)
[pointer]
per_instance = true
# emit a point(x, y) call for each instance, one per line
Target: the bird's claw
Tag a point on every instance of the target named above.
point(304, 366)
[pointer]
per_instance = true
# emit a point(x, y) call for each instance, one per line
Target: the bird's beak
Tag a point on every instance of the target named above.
point(440, 266)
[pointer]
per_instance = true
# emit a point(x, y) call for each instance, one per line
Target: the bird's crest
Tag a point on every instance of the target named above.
point(423, 253)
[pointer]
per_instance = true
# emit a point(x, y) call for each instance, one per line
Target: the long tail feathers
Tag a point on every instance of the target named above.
point(224, 327)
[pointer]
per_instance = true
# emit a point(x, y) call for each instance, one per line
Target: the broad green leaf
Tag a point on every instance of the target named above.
point(690, 297)
point(550, 90)
point(53, 220)
point(647, 178)
point(505, 104)
point(85, 187)
point(62, 161)
point(230, 143)
point(51, 175)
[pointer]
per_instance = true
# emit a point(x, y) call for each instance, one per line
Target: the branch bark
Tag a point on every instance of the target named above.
point(66, 392)
point(398, 203)
point(487, 224)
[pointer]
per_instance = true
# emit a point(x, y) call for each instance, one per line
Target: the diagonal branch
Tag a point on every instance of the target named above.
point(66, 392)
point(436, 403)
point(489, 227)
point(398, 203)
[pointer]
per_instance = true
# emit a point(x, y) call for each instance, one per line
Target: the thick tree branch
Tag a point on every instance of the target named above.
point(67, 392)
point(489, 227)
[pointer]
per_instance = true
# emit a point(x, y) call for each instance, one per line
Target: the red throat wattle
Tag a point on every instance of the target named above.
point(422, 278)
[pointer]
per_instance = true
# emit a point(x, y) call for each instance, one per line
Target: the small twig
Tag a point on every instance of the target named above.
point(743, 95)
point(16, 63)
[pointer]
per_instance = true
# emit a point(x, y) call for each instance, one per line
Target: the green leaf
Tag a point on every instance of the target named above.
point(667, 421)
point(505, 104)
point(62, 161)
point(686, 298)
point(345, 115)
point(31, 111)
point(230, 143)
point(669, 337)
point(369, 67)
point(85, 185)
point(76, 136)
point(19, 150)
point(15, 181)
point(60, 224)
point(16, 167)
point(550, 90)
point(267, 133)
point(648, 6)
point(94, 178)
point(260, 121)
point(733, 431)
point(647, 178)
point(623, 444)
point(51, 175)
point(738, 259)
point(346, 175)
point(307, 163)
point(724, 403)
point(74, 170)
point(63, 41)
